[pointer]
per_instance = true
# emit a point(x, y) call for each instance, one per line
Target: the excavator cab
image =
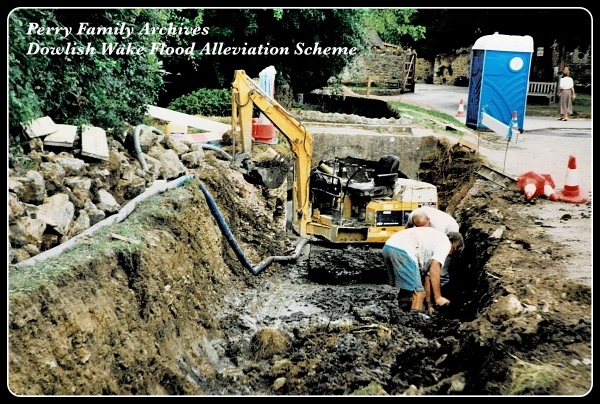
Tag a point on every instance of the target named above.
point(327, 202)
point(386, 174)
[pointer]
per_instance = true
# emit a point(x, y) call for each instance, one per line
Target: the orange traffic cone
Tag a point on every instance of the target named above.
point(532, 184)
point(571, 192)
point(549, 188)
point(461, 109)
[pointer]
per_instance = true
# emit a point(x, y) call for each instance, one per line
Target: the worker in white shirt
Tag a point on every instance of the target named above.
point(433, 217)
point(414, 257)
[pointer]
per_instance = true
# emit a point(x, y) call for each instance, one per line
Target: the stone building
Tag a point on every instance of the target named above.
point(385, 62)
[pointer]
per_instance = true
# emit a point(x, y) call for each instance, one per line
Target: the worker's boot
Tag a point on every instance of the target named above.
point(418, 301)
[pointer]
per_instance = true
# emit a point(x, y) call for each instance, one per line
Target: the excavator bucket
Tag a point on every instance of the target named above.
point(270, 173)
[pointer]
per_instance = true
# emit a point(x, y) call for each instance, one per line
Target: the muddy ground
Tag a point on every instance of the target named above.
point(181, 314)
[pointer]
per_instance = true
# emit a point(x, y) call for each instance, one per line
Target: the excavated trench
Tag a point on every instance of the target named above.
point(346, 331)
point(343, 330)
point(178, 314)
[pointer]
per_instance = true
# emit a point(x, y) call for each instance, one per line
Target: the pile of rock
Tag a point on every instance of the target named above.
point(336, 117)
point(55, 194)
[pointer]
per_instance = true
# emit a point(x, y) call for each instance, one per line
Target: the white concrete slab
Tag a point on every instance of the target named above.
point(204, 137)
point(185, 119)
point(493, 124)
point(94, 143)
point(64, 136)
point(41, 127)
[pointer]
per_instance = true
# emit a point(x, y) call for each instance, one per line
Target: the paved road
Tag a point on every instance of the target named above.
point(447, 99)
point(544, 146)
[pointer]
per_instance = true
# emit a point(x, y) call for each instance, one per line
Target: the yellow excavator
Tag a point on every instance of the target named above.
point(326, 202)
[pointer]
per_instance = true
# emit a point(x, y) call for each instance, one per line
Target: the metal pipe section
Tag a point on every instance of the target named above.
point(217, 149)
point(138, 149)
point(263, 264)
point(236, 247)
point(140, 154)
point(136, 143)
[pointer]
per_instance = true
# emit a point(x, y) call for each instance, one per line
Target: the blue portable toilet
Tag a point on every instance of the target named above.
point(499, 79)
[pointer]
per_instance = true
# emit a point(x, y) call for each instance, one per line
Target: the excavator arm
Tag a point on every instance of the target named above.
point(245, 94)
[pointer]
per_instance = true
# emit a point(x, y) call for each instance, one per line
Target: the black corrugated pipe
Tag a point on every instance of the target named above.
point(236, 247)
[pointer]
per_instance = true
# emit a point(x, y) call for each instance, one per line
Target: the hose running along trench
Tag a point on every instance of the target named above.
point(131, 205)
point(236, 247)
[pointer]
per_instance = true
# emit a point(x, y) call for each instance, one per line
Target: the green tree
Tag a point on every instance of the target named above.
point(454, 28)
point(394, 25)
point(99, 89)
point(275, 28)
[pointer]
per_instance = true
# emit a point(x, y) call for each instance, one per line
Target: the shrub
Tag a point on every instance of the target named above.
point(97, 88)
point(204, 101)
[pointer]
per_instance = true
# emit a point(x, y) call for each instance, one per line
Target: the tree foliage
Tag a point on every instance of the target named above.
point(205, 102)
point(454, 28)
point(268, 27)
point(106, 90)
point(100, 89)
point(394, 25)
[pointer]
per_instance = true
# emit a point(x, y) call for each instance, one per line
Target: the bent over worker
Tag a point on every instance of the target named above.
point(413, 258)
point(433, 217)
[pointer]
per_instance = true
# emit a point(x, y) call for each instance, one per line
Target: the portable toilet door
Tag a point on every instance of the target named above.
point(499, 79)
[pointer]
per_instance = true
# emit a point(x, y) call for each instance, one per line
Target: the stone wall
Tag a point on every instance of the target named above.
point(455, 68)
point(387, 64)
point(423, 71)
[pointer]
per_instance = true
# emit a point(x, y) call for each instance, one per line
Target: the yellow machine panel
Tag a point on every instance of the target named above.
point(382, 218)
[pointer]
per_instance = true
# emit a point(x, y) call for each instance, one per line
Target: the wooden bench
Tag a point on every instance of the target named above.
point(541, 89)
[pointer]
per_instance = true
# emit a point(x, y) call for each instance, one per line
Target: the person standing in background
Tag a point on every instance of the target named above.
point(566, 95)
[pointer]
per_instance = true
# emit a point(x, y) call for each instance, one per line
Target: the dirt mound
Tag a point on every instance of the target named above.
point(181, 314)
